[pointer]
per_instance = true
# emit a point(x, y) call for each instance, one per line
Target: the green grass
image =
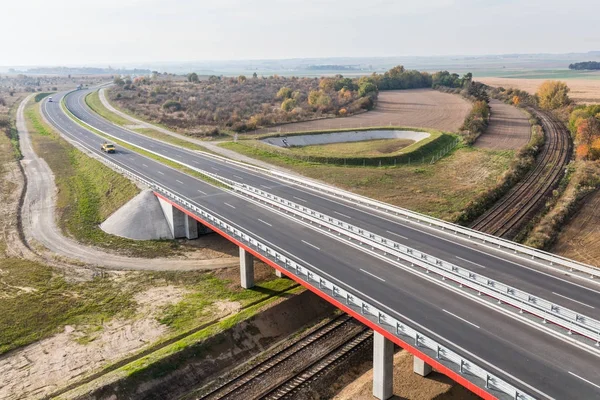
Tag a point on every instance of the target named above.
point(48, 302)
point(89, 192)
point(38, 97)
point(442, 190)
point(538, 74)
point(93, 101)
point(420, 152)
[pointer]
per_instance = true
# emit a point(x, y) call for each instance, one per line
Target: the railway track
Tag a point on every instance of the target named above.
point(282, 373)
point(521, 203)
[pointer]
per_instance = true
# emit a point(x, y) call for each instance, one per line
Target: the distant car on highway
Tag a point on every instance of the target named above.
point(108, 148)
point(50, 99)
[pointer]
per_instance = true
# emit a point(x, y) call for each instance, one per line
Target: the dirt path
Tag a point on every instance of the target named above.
point(509, 128)
point(41, 229)
point(420, 108)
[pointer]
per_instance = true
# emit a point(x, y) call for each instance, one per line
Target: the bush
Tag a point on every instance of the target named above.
point(172, 105)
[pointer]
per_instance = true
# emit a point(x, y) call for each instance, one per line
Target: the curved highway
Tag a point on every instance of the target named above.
point(537, 363)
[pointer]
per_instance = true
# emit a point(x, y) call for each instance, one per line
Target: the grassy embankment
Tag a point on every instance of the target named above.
point(93, 101)
point(442, 189)
point(421, 152)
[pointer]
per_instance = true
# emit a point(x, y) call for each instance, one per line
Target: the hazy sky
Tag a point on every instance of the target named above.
point(65, 32)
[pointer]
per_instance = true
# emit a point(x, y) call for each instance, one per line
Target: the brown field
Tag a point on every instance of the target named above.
point(580, 238)
point(582, 91)
point(509, 128)
point(420, 108)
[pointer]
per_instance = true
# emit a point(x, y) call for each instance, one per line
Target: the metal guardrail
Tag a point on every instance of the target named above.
point(526, 302)
point(467, 233)
point(548, 311)
point(384, 320)
point(405, 333)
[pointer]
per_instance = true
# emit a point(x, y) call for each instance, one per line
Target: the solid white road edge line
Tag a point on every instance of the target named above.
point(462, 319)
point(373, 275)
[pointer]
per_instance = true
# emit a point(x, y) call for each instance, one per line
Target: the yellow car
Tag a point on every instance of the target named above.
point(108, 148)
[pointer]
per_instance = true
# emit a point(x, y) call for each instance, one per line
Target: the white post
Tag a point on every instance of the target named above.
point(420, 367)
point(246, 269)
point(383, 367)
point(175, 219)
point(191, 227)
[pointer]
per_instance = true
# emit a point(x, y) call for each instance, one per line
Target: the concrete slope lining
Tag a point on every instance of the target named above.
point(141, 218)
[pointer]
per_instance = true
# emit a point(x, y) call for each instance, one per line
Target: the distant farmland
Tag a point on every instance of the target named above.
point(422, 108)
point(582, 90)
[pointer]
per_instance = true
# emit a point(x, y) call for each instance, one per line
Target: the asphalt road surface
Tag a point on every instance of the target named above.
point(537, 363)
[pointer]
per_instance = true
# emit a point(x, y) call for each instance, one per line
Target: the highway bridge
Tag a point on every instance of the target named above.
point(503, 320)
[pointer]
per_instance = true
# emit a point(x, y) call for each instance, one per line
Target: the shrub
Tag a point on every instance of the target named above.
point(172, 105)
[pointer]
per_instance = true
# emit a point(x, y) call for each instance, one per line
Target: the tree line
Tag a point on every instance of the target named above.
point(586, 65)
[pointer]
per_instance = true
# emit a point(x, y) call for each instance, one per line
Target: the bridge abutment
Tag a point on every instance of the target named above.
point(246, 269)
point(383, 367)
point(420, 367)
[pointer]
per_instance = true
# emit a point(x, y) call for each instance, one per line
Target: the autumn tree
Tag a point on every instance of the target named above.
point(288, 104)
point(553, 95)
point(284, 93)
point(313, 97)
point(241, 79)
point(516, 100)
point(366, 89)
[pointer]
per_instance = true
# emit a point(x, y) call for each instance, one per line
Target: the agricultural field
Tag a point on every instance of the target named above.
point(583, 91)
point(580, 237)
point(509, 128)
point(420, 108)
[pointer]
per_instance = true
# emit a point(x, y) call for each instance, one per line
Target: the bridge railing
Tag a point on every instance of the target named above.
point(546, 310)
point(470, 370)
point(411, 216)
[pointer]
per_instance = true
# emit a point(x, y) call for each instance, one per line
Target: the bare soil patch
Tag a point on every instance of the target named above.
point(582, 91)
point(509, 128)
point(407, 384)
point(419, 108)
point(42, 367)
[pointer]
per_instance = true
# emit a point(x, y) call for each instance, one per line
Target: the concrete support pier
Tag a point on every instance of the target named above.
point(420, 367)
point(383, 367)
point(176, 219)
point(246, 269)
point(191, 227)
point(279, 274)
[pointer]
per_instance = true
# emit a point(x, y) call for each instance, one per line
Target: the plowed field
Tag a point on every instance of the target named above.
point(580, 238)
point(509, 128)
point(419, 108)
